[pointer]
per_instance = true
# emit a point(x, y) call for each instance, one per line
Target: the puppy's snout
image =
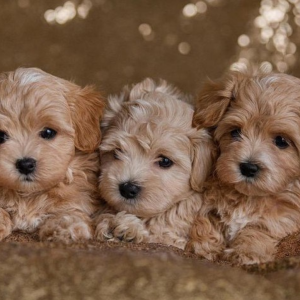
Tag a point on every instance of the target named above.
point(129, 190)
point(26, 165)
point(249, 169)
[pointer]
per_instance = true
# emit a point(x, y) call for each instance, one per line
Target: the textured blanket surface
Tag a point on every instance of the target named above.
point(32, 270)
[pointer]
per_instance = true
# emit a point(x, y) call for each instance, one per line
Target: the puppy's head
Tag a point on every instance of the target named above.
point(43, 119)
point(256, 119)
point(149, 150)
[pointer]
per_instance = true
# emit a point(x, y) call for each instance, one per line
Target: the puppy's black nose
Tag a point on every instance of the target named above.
point(129, 190)
point(26, 165)
point(249, 169)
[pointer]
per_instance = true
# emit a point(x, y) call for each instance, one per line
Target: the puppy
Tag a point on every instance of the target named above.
point(49, 131)
point(153, 164)
point(253, 199)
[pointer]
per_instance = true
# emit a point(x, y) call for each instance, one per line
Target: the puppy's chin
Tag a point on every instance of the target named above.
point(138, 206)
point(250, 189)
point(28, 184)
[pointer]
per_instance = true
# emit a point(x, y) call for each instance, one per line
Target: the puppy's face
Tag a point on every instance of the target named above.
point(37, 132)
point(259, 133)
point(148, 153)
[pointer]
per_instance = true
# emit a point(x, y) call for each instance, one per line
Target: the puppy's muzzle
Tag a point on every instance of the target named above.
point(249, 169)
point(129, 190)
point(26, 165)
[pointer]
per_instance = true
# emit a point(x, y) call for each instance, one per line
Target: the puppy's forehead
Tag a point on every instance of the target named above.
point(273, 94)
point(153, 123)
point(167, 110)
point(31, 94)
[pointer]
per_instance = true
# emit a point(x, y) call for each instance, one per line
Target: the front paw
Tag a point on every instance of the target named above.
point(205, 250)
point(243, 257)
point(5, 224)
point(120, 227)
point(66, 229)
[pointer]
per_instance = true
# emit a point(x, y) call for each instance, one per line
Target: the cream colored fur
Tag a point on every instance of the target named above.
point(243, 218)
point(60, 195)
point(140, 126)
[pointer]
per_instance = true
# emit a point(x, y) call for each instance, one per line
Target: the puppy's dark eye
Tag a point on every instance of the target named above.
point(281, 142)
point(116, 153)
point(3, 137)
point(165, 162)
point(236, 133)
point(48, 133)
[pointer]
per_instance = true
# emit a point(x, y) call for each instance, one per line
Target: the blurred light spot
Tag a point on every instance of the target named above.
point(84, 8)
point(23, 3)
point(67, 12)
point(267, 33)
point(274, 15)
point(292, 48)
point(282, 66)
point(190, 10)
point(273, 28)
point(184, 48)
point(243, 40)
point(171, 39)
point(290, 59)
point(266, 67)
point(50, 16)
point(145, 29)
point(260, 22)
point(213, 2)
point(201, 7)
point(238, 66)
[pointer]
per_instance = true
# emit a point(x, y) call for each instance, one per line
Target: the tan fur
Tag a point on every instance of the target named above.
point(243, 218)
point(60, 195)
point(141, 125)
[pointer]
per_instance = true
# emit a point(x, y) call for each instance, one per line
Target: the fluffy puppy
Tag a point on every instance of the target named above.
point(153, 164)
point(253, 199)
point(49, 167)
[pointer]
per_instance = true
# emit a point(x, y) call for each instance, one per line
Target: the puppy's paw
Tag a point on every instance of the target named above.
point(120, 227)
point(5, 224)
point(66, 229)
point(243, 257)
point(205, 250)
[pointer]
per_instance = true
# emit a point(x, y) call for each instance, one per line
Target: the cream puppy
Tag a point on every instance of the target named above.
point(49, 167)
point(153, 164)
point(253, 199)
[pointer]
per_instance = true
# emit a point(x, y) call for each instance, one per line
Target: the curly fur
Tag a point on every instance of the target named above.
point(142, 124)
point(243, 218)
point(60, 195)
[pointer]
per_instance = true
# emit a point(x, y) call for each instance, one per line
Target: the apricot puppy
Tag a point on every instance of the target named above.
point(49, 167)
point(153, 164)
point(253, 199)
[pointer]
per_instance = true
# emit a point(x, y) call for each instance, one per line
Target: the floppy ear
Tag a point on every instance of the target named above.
point(204, 154)
point(214, 99)
point(87, 107)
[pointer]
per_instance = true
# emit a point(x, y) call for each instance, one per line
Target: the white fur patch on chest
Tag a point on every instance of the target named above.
point(23, 223)
point(237, 221)
point(25, 219)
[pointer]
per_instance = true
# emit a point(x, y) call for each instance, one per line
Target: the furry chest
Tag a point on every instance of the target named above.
point(236, 221)
point(24, 218)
